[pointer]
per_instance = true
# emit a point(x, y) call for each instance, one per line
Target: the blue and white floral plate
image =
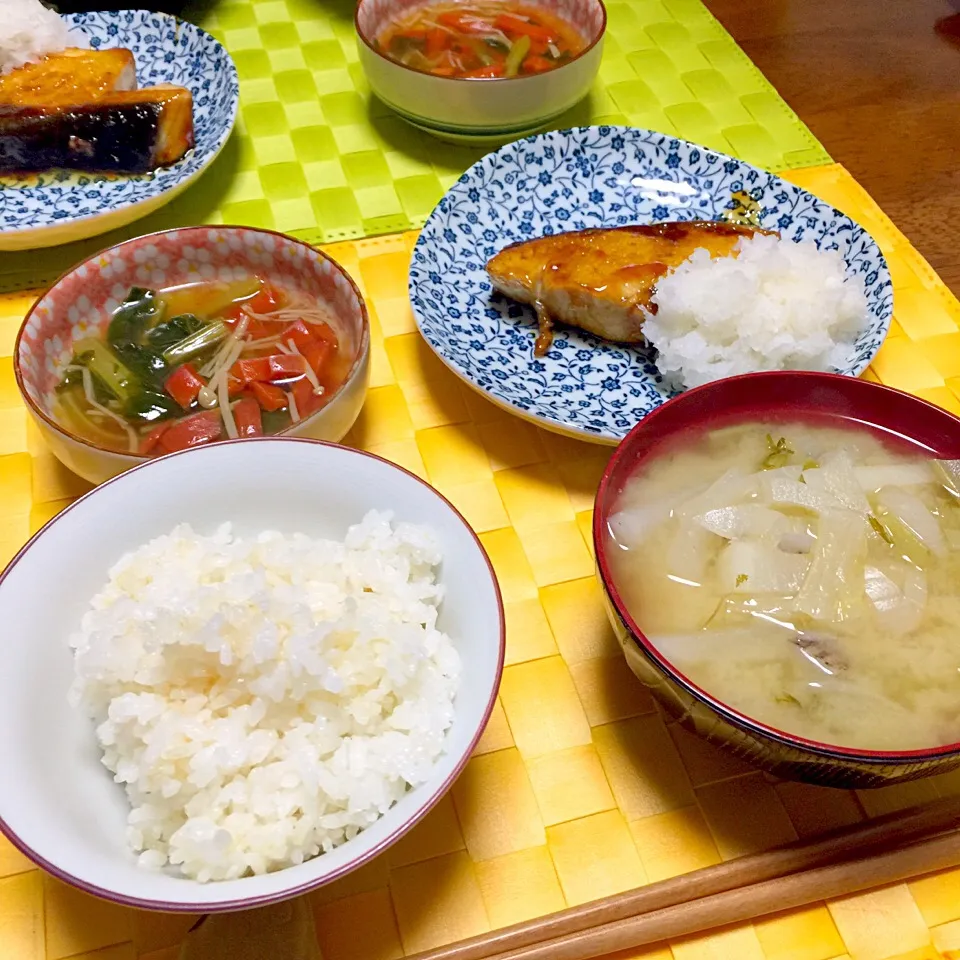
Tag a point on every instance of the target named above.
point(63, 206)
point(578, 179)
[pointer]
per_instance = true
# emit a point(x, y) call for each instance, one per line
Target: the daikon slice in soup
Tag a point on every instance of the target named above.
point(806, 576)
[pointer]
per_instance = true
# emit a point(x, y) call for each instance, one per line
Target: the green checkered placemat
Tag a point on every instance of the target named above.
point(316, 156)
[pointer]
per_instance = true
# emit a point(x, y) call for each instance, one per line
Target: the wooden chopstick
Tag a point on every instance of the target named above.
point(748, 903)
point(883, 833)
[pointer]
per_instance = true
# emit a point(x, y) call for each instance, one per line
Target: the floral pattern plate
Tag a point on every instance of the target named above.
point(596, 177)
point(63, 206)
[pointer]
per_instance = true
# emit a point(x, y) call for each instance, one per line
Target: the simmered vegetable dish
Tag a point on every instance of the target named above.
point(480, 41)
point(188, 365)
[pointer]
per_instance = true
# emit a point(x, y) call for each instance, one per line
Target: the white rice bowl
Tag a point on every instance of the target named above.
point(775, 305)
point(59, 804)
point(30, 31)
point(265, 699)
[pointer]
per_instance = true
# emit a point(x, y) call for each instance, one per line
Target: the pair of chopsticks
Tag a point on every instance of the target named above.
point(887, 850)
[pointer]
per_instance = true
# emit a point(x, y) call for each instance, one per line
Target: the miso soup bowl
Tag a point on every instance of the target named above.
point(80, 302)
point(480, 111)
point(59, 805)
point(790, 395)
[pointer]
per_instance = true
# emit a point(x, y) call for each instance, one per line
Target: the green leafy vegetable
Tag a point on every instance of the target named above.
point(127, 334)
point(71, 379)
point(275, 420)
point(202, 339)
point(808, 465)
point(741, 579)
point(72, 382)
point(139, 311)
point(165, 335)
point(515, 57)
point(147, 364)
point(151, 406)
point(115, 377)
point(788, 698)
point(480, 50)
point(778, 454)
point(881, 529)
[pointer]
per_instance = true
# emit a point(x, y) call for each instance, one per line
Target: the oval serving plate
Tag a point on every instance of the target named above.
point(586, 178)
point(62, 206)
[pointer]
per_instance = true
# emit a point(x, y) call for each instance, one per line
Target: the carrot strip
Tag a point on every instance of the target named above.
point(414, 33)
point(184, 384)
point(483, 73)
point(246, 417)
point(307, 401)
point(192, 431)
point(300, 333)
point(269, 369)
point(463, 23)
point(268, 396)
point(510, 24)
point(266, 300)
point(235, 386)
point(534, 64)
point(437, 41)
point(317, 353)
point(150, 441)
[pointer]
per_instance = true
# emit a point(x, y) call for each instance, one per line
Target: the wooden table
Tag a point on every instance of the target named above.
point(878, 82)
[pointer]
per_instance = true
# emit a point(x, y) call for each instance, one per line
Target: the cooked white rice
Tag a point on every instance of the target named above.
point(265, 699)
point(29, 31)
point(777, 305)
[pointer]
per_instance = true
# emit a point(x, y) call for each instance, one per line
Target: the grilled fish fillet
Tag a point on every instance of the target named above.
point(80, 110)
point(134, 131)
point(603, 280)
point(71, 77)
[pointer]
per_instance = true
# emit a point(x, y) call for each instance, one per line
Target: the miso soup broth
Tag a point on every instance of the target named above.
point(806, 576)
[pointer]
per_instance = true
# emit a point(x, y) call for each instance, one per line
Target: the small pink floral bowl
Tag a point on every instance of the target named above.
point(79, 304)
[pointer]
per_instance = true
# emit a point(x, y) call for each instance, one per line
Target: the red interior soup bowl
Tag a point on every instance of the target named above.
point(899, 443)
point(190, 336)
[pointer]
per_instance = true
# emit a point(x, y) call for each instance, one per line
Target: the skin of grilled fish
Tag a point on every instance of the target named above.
point(133, 131)
point(602, 281)
point(71, 77)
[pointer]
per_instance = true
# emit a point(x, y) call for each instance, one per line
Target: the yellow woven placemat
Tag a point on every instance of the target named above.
point(579, 788)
